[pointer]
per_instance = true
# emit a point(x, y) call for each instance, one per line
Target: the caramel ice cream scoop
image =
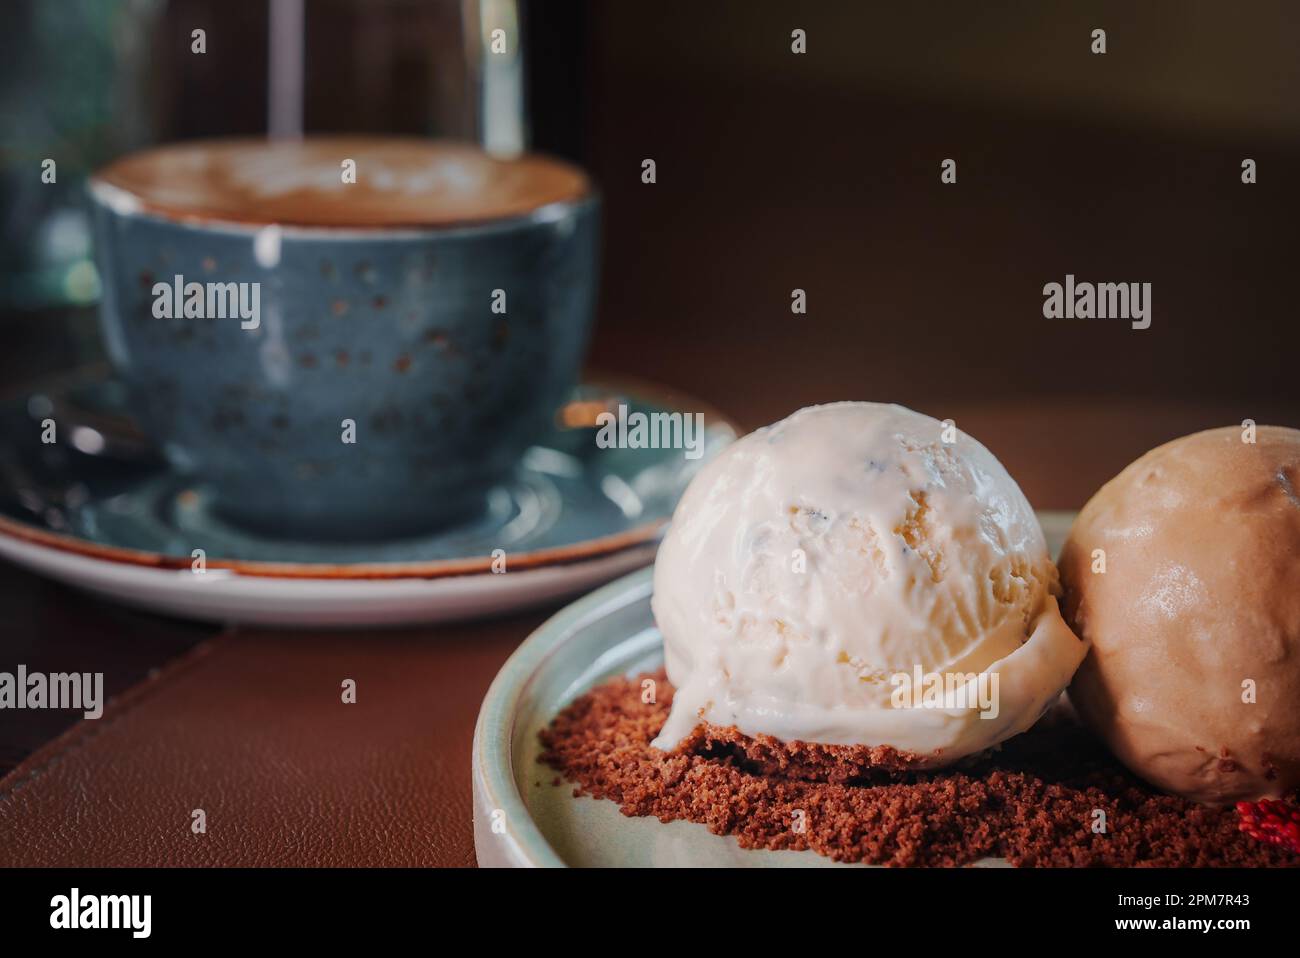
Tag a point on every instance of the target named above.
point(1193, 678)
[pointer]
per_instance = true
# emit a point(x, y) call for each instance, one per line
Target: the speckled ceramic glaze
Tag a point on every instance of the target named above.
point(573, 515)
point(391, 329)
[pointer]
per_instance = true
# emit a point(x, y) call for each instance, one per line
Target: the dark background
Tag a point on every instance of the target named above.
point(822, 172)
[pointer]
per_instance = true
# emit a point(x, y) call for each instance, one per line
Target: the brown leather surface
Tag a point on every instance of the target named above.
point(251, 728)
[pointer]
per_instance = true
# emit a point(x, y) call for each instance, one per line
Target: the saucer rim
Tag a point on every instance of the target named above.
point(582, 551)
point(577, 552)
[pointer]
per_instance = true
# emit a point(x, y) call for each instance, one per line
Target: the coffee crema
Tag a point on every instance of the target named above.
point(400, 182)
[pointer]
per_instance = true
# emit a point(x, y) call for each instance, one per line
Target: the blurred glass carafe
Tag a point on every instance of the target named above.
point(72, 94)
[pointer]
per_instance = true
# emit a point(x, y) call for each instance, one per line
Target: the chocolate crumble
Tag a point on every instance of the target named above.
point(1034, 801)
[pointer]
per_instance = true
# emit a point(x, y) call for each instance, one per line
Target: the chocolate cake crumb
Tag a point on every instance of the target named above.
point(1034, 801)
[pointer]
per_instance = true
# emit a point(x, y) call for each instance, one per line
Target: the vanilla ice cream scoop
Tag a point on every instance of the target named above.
point(848, 577)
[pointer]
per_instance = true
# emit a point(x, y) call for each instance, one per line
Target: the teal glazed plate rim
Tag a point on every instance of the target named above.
point(523, 818)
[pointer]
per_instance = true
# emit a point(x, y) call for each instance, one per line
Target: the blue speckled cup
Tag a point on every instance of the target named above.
point(390, 329)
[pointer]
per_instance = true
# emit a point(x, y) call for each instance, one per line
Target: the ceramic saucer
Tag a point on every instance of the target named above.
point(523, 819)
point(573, 516)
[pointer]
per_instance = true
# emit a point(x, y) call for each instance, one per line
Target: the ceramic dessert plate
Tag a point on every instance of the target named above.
point(522, 819)
point(98, 511)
